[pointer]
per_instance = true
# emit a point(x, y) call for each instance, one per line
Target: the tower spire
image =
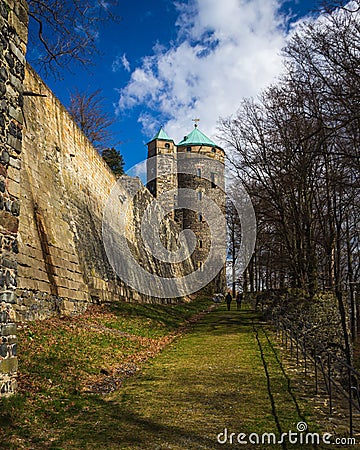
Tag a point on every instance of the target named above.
point(196, 122)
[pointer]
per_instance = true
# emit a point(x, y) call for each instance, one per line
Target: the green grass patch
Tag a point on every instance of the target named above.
point(62, 359)
point(209, 379)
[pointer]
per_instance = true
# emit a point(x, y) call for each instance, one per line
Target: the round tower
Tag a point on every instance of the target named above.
point(201, 169)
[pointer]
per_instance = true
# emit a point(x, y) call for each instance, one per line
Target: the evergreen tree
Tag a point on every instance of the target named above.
point(114, 160)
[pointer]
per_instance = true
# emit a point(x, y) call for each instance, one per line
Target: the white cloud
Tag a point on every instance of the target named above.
point(139, 170)
point(121, 62)
point(225, 51)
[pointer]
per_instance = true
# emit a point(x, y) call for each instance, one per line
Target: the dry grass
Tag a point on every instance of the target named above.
point(208, 377)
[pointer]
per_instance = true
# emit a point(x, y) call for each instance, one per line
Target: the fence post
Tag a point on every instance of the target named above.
point(350, 403)
point(316, 371)
point(297, 350)
point(329, 377)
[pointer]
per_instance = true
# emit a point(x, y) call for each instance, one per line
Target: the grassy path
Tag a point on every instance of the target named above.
point(223, 374)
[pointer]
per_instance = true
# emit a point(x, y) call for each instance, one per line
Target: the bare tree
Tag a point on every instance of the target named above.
point(296, 150)
point(234, 240)
point(62, 31)
point(88, 112)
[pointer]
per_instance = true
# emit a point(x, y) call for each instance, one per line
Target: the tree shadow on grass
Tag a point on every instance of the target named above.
point(102, 424)
point(222, 322)
point(170, 316)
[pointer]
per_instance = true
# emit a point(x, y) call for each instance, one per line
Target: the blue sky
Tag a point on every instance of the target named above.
point(167, 62)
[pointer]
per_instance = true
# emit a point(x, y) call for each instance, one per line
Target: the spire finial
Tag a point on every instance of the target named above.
point(196, 122)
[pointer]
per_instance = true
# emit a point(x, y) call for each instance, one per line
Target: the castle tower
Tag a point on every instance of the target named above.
point(205, 176)
point(161, 172)
point(196, 164)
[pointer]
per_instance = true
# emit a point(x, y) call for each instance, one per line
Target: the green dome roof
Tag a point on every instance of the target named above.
point(162, 136)
point(196, 137)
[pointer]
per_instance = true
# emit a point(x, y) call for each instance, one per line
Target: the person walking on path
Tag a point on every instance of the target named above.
point(228, 299)
point(238, 300)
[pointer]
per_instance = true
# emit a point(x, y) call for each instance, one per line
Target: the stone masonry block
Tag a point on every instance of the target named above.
point(9, 365)
point(15, 163)
point(14, 143)
point(21, 10)
point(16, 83)
point(7, 329)
point(74, 295)
point(8, 297)
point(17, 52)
point(13, 188)
point(33, 285)
point(19, 26)
point(9, 223)
point(16, 114)
point(14, 174)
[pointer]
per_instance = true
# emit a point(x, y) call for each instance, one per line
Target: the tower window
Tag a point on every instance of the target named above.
point(198, 172)
point(213, 150)
point(201, 266)
point(200, 217)
point(199, 195)
point(213, 179)
point(200, 244)
point(167, 145)
point(188, 149)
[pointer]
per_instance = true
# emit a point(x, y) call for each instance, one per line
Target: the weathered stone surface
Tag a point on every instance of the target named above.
point(67, 261)
point(3, 350)
point(4, 10)
point(7, 329)
point(13, 173)
point(14, 143)
point(10, 4)
point(8, 365)
point(16, 114)
point(8, 297)
point(19, 26)
point(9, 223)
point(15, 208)
point(13, 37)
point(3, 74)
point(17, 52)
point(16, 163)
point(4, 158)
point(13, 188)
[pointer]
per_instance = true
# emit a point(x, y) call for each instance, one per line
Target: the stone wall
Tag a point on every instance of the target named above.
point(64, 187)
point(13, 39)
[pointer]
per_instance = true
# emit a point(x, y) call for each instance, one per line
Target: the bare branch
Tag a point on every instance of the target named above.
point(62, 31)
